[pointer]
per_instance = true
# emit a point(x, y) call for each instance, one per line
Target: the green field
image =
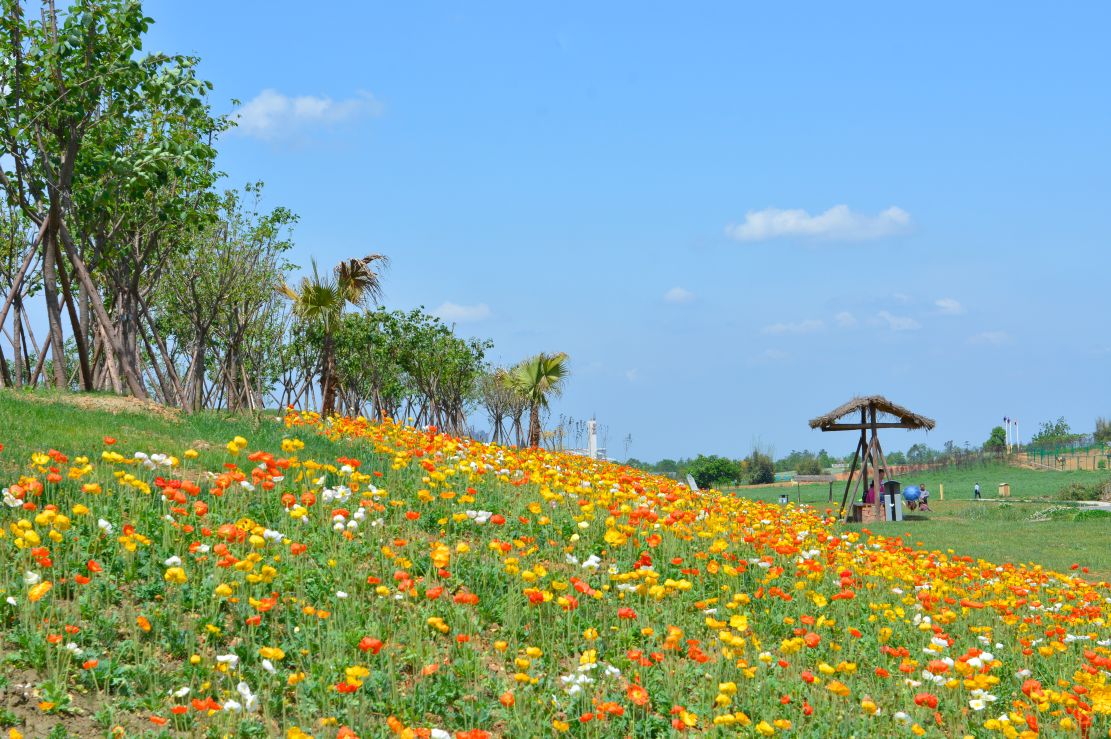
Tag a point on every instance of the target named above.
point(1033, 525)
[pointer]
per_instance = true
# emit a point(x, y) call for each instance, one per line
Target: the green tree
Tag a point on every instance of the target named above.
point(712, 470)
point(761, 468)
point(321, 301)
point(224, 316)
point(1103, 430)
point(667, 466)
point(809, 466)
point(536, 379)
point(920, 454)
point(94, 133)
point(1052, 433)
point(997, 441)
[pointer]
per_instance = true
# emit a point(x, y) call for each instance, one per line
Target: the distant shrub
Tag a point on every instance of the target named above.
point(809, 466)
point(1084, 491)
point(761, 468)
point(712, 470)
point(1103, 429)
point(1091, 515)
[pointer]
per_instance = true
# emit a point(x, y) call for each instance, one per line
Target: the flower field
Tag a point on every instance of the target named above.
point(424, 585)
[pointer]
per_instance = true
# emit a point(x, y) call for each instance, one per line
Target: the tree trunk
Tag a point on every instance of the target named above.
point(75, 323)
point(534, 426)
point(53, 314)
point(17, 341)
point(134, 383)
point(328, 377)
point(5, 377)
point(17, 283)
point(39, 365)
point(196, 375)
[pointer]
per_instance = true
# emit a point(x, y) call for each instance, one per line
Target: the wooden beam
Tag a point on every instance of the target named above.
point(862, 427)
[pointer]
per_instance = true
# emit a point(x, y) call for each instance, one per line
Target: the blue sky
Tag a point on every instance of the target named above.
point(732, 217)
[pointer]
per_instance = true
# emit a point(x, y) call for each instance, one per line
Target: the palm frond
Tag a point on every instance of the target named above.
point(358, 280)
point(319, 299)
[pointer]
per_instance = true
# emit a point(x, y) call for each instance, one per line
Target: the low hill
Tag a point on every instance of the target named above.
point(173, 575)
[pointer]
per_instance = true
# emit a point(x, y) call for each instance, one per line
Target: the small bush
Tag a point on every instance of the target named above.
point(712, 470)
point(761, 468)
point(1084, 491)
point(1092, 515)
point(809, 466)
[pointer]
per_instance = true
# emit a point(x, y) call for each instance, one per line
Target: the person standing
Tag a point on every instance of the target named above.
point(976, 491)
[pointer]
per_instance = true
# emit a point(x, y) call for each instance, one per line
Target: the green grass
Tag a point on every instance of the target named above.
point(41, 420)
point(1033, 525)
point(958, 482)
point(1025, 483)
point(1050, 534)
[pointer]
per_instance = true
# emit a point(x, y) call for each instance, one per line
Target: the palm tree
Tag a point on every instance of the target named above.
point(321, 301)
point(536, 379)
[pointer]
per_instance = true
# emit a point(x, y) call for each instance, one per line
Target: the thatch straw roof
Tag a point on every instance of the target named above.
point(882, 405)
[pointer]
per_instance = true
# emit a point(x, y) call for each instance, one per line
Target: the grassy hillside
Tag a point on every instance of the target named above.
point(38, 420)
point(208, 576)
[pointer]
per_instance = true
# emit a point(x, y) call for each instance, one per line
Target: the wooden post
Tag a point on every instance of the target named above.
point(848, 481)
point(864, 449)
point(941, 490)
point(873, 447)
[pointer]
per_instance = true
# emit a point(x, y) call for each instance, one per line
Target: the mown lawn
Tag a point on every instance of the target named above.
point(1033, 525)
point(1056, 536)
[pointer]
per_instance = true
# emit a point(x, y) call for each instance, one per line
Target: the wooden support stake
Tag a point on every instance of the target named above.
point(848, 481)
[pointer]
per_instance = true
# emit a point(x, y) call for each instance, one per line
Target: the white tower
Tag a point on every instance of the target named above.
point(592, 432)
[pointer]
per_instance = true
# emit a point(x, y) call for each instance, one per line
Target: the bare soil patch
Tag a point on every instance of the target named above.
point(114, 404)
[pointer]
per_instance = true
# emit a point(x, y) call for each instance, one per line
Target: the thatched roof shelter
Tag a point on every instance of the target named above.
point(876, 412)
point(906, 419)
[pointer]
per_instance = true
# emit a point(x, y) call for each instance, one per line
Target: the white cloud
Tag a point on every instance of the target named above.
point(990, 338)
point(949, 306)
point(838, 223)
point(462, 313)
point(632, 375)
point(897, 323)
point(272, 115)
point(678, 295)
point(802, 327)
point(844, 319)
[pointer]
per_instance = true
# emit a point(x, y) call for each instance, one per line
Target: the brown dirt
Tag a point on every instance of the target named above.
point(1084, 460)
point(114, 404)
point(21, 697)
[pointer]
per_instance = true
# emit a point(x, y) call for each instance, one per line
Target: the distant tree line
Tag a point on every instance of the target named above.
point(712, 470)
